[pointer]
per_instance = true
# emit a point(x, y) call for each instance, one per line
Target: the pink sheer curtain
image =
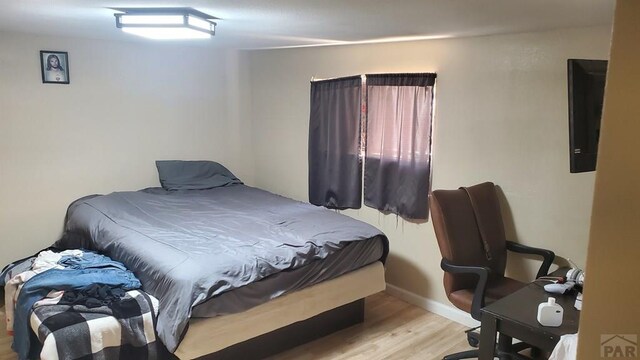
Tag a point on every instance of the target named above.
point(398, 143)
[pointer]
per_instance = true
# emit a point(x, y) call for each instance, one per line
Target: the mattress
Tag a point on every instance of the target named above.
point(352, 257)
point(189, 246)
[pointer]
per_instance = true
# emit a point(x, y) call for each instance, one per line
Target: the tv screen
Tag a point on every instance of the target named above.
point(587, 79)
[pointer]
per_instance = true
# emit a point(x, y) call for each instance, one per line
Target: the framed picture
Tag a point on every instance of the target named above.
point(54, 66)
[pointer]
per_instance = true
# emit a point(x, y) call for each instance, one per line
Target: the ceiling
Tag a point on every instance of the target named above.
point(252, 24)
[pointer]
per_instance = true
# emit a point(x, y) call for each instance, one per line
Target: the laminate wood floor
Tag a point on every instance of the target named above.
point(393, 329)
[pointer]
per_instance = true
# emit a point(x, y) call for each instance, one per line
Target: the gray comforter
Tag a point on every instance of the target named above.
point(187, 246)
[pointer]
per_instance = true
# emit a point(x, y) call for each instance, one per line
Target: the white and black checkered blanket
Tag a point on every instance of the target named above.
point(122, 330)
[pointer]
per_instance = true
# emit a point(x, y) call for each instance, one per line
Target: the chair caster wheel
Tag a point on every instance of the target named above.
point(473, 339)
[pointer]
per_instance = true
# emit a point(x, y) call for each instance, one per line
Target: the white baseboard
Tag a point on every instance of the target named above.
point(433, 306)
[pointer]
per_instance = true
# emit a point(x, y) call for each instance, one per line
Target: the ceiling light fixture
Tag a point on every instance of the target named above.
point(166, 23)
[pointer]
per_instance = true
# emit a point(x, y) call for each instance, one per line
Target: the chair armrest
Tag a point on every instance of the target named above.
point(547, 255)
point(481, 286)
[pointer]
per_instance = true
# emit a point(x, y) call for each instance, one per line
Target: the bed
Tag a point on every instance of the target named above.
point(232, 264)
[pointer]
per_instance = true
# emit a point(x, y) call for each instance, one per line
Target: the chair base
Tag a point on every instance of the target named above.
point(470, 354)
point(504, 349)
point(474, 354)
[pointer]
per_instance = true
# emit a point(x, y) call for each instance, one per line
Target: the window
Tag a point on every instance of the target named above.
point(393, 126)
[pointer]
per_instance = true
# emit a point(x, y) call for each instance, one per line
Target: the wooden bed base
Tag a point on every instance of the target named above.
point(284, 322)
point(293, 335)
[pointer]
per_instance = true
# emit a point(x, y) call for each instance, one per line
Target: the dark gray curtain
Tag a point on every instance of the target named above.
point(398, 143)
point(335, 165)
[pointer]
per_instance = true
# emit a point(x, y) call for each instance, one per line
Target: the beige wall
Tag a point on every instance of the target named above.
point(501, 116)
point(127, 105)
point(611, 289)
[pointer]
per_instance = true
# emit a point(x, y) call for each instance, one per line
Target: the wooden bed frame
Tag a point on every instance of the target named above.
point(285, 322)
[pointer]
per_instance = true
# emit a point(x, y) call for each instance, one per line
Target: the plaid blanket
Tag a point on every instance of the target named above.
point(123, 330)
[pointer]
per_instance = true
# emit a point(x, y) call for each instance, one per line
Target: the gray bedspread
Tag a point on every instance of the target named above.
point(188, 246)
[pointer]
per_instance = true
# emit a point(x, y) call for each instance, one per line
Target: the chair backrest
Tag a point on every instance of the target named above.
point(469, 228)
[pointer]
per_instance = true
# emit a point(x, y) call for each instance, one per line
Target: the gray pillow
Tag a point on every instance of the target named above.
point(193, 175)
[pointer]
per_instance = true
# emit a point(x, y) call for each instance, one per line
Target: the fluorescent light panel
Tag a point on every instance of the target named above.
point(168, 33)
point(126, 19)
point(166, 24)
point(199, 23)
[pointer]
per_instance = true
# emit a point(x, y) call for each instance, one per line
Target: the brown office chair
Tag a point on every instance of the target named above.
point(470, 232)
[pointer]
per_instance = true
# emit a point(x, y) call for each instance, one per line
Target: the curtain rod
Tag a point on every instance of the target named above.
point(313, 78)
point(364, 76)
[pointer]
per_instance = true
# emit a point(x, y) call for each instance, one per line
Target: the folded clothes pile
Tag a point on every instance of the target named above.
point(79, 303)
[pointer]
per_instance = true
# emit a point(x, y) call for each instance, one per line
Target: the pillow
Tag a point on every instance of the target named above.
point(193, 175)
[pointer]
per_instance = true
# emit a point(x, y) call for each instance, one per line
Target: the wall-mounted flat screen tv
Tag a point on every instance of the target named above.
point(586, 94)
